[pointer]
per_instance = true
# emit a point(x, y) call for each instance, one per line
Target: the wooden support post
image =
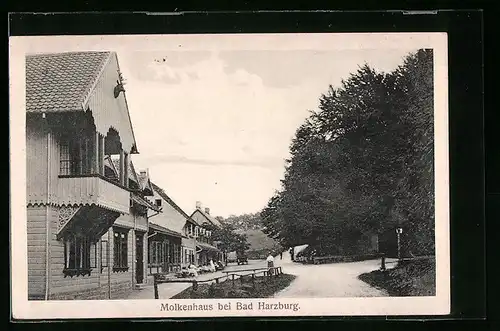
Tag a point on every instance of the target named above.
point(125, 169)
point(155, 286)
point(101, 154)
point(95, 154)
point(382, 263)
point(195, 285)
point(232, 279)
point(122, 167)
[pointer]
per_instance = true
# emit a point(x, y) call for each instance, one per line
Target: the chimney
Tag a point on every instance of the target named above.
point(207, 211)
point(198, 205)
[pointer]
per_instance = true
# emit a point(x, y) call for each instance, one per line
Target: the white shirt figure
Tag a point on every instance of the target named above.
point(270, 258)
point(212, 266)
point(193, 271)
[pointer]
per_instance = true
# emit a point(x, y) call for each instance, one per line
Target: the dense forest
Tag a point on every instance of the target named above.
point(362, 164)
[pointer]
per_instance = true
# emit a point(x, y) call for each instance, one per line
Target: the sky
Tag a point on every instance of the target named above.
point(216, 127)
point(214, 124)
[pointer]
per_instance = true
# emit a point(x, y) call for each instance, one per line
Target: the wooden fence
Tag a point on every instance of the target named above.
point(403, 260)
point(232, 275)
point(341, 258)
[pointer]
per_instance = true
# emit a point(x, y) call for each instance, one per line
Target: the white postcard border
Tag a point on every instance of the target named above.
point(24, 309)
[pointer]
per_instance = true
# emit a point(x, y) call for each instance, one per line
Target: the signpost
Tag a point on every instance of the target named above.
point(399, 231)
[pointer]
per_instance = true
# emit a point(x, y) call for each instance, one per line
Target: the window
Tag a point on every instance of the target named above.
point(104, 254)
point(75, 158)
point(120, 251)
point(175, 254)
point(77, 255)
point(93, 255)
point(156, 253)
point(158, 202)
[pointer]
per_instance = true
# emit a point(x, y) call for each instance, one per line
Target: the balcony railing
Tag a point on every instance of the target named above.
point(93, 189)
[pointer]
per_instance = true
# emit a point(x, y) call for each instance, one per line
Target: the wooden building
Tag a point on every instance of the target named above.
point(76, 117)
point(203, 222)
point(168, 250)
point(124, 247)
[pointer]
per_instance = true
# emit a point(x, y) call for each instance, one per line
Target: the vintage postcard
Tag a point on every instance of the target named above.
point(256, 175)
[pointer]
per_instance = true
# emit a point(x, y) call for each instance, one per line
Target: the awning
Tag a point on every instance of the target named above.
point(207, 247)
point(162, 230)
point(143, 202)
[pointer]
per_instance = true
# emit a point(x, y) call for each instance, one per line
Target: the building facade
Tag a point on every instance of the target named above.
point(200, 228)
point(76, 118)
point(169, 249)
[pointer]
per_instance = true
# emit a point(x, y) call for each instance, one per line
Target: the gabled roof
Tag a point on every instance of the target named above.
point(176, 223)
point(165, 197)
point(145, 182)
point(66, 82)
point(61, 82)
point(208, 217)
point(143, 202)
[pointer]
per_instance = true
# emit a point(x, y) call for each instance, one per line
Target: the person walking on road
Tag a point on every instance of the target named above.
point(281, 255)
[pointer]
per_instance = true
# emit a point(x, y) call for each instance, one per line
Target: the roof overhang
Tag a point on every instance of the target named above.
point(207, 247)
point(162, 230)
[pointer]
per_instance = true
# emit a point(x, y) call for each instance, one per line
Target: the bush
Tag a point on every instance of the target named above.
point(409, 278)
point(263, 287)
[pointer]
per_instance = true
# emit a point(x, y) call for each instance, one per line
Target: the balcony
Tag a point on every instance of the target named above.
point(93, 189)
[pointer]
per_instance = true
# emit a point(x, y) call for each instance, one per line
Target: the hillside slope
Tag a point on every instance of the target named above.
point(260, 244)
point(251, 226)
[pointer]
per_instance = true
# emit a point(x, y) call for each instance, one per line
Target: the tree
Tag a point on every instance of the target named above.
point(361, 164)
point(229, 240)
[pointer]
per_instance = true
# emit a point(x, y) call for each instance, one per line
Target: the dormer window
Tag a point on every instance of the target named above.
point(158, 202)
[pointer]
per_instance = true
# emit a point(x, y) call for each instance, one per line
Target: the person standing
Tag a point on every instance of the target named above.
point(281, 255)
point(212, 266)
point(291, 253)
point(270, 264)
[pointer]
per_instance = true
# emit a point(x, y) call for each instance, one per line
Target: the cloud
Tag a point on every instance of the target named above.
point(285, 68)
point(170, 67)
point(262, 162)
point(230, 120)
point(188, 67)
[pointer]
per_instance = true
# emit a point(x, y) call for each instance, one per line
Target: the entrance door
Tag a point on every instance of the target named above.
point(139, 262)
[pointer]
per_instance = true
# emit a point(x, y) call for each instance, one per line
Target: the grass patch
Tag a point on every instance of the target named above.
point(262, 287)
point(412, 278)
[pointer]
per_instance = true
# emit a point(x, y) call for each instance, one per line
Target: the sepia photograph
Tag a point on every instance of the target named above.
point(230, 175)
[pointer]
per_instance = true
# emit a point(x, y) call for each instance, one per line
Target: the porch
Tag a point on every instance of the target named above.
point(165, 252)
point(207, 252)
